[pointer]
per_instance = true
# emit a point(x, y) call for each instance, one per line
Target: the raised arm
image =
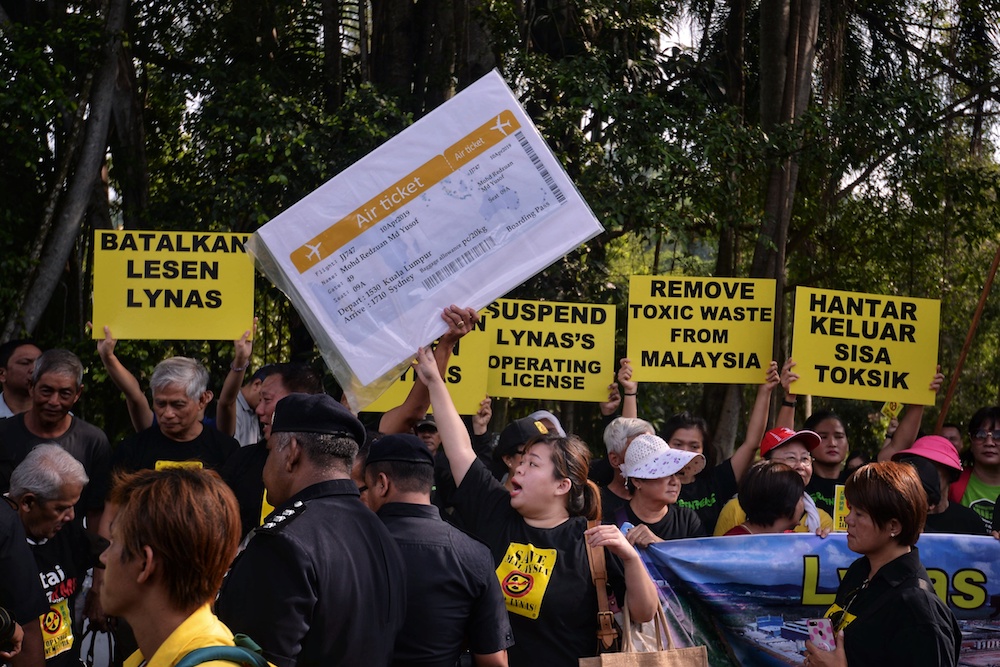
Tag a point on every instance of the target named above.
point(630, 389)
point(786, 416)
point(743, 456)
point(225, 411)
point(909, 424)
point(454, 436)
point(138, 407)
point(610, 406)
point(403, 417)
point(481, 420)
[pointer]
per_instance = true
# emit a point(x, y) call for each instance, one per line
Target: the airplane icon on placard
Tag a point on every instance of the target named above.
point(499, 126)
point(313, 250)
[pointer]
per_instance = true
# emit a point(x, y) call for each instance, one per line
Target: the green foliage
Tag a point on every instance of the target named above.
point(43, 67)
point(239, 125)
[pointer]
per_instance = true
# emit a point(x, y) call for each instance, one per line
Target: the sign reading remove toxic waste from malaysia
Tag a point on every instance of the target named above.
point(700, 329)
point(865, 346)
point(172, 285)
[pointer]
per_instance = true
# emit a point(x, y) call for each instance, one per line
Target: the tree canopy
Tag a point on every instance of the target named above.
point(840, 145)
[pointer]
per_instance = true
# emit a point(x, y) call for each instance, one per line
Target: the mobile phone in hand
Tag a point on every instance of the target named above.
point(821, 633)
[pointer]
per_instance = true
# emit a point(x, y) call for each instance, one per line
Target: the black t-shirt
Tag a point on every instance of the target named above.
point(151, 450)
point(544, 574)
point(611, 503)
point(676, 524)
point(84, 441)
point(601, 472)
point(709, 492)
point(243, 472)
point(20, 592)
point(62, 563)
point(957, 519)
point(823, 491)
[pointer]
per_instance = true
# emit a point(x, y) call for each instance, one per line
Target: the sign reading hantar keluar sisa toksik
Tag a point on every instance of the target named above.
point(865, 346)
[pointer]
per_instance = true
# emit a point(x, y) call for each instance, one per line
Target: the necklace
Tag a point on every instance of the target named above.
point(747, 527)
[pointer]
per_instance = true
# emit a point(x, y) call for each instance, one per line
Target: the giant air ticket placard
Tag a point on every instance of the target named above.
point(459, 208)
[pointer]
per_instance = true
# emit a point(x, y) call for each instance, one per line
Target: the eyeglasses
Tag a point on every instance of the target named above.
point(982, 435)
point(839, 617)
point(792, 461)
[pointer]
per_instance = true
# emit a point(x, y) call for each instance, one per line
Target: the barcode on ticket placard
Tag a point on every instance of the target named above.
point(540, 166)
point(465, 259)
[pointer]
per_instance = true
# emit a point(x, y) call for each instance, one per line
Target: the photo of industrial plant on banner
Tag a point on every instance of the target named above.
point(750, 596)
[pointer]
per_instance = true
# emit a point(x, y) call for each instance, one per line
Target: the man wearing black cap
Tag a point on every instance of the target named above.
point(322, 581)
point(427, 430)
point(510, 447)
point(453, 595)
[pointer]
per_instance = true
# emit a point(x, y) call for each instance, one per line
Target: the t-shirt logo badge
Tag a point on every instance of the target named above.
point(524, 574)
point(517, 584)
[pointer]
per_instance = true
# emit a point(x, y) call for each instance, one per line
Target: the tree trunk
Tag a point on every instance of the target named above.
point(722, 404)
point(393, 51)
point(85, 175)
point(473, 42)
point(128, 145)
point(333, 62)
point(437, 54)
point(788, 49)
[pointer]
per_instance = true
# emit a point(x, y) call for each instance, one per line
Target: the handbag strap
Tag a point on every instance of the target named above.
point(599, 573)
point(662, 630)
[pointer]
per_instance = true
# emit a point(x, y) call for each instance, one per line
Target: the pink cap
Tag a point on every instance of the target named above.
point(934, 448)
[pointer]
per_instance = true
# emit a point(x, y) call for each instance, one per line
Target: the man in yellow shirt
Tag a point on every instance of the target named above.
point(174, 533)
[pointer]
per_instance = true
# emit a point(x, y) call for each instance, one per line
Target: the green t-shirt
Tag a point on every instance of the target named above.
point(981, 497)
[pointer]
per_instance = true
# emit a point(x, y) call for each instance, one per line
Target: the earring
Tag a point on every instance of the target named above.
point(892, 534)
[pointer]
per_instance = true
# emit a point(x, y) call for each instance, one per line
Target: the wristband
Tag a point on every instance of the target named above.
point(632, 394)
point(239, 369)
point(788, 404)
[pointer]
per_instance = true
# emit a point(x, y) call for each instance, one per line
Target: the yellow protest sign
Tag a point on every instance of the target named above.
point(840, 510)
point(711, 330)
point(550, 350)
point(172, 285)
point(891, 409)
point(865, 346)
point(466, 376)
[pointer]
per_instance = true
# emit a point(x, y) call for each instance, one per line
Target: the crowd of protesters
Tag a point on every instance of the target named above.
point(420, 541)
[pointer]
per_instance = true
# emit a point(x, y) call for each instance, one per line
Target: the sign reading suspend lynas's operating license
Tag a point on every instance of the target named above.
point(865, 346)
point(172, 285)
point(459, 208)
point(684, 329)
point(550, 350)
point(527, 349)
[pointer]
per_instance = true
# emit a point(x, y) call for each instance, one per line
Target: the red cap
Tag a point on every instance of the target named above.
point(777, 437)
